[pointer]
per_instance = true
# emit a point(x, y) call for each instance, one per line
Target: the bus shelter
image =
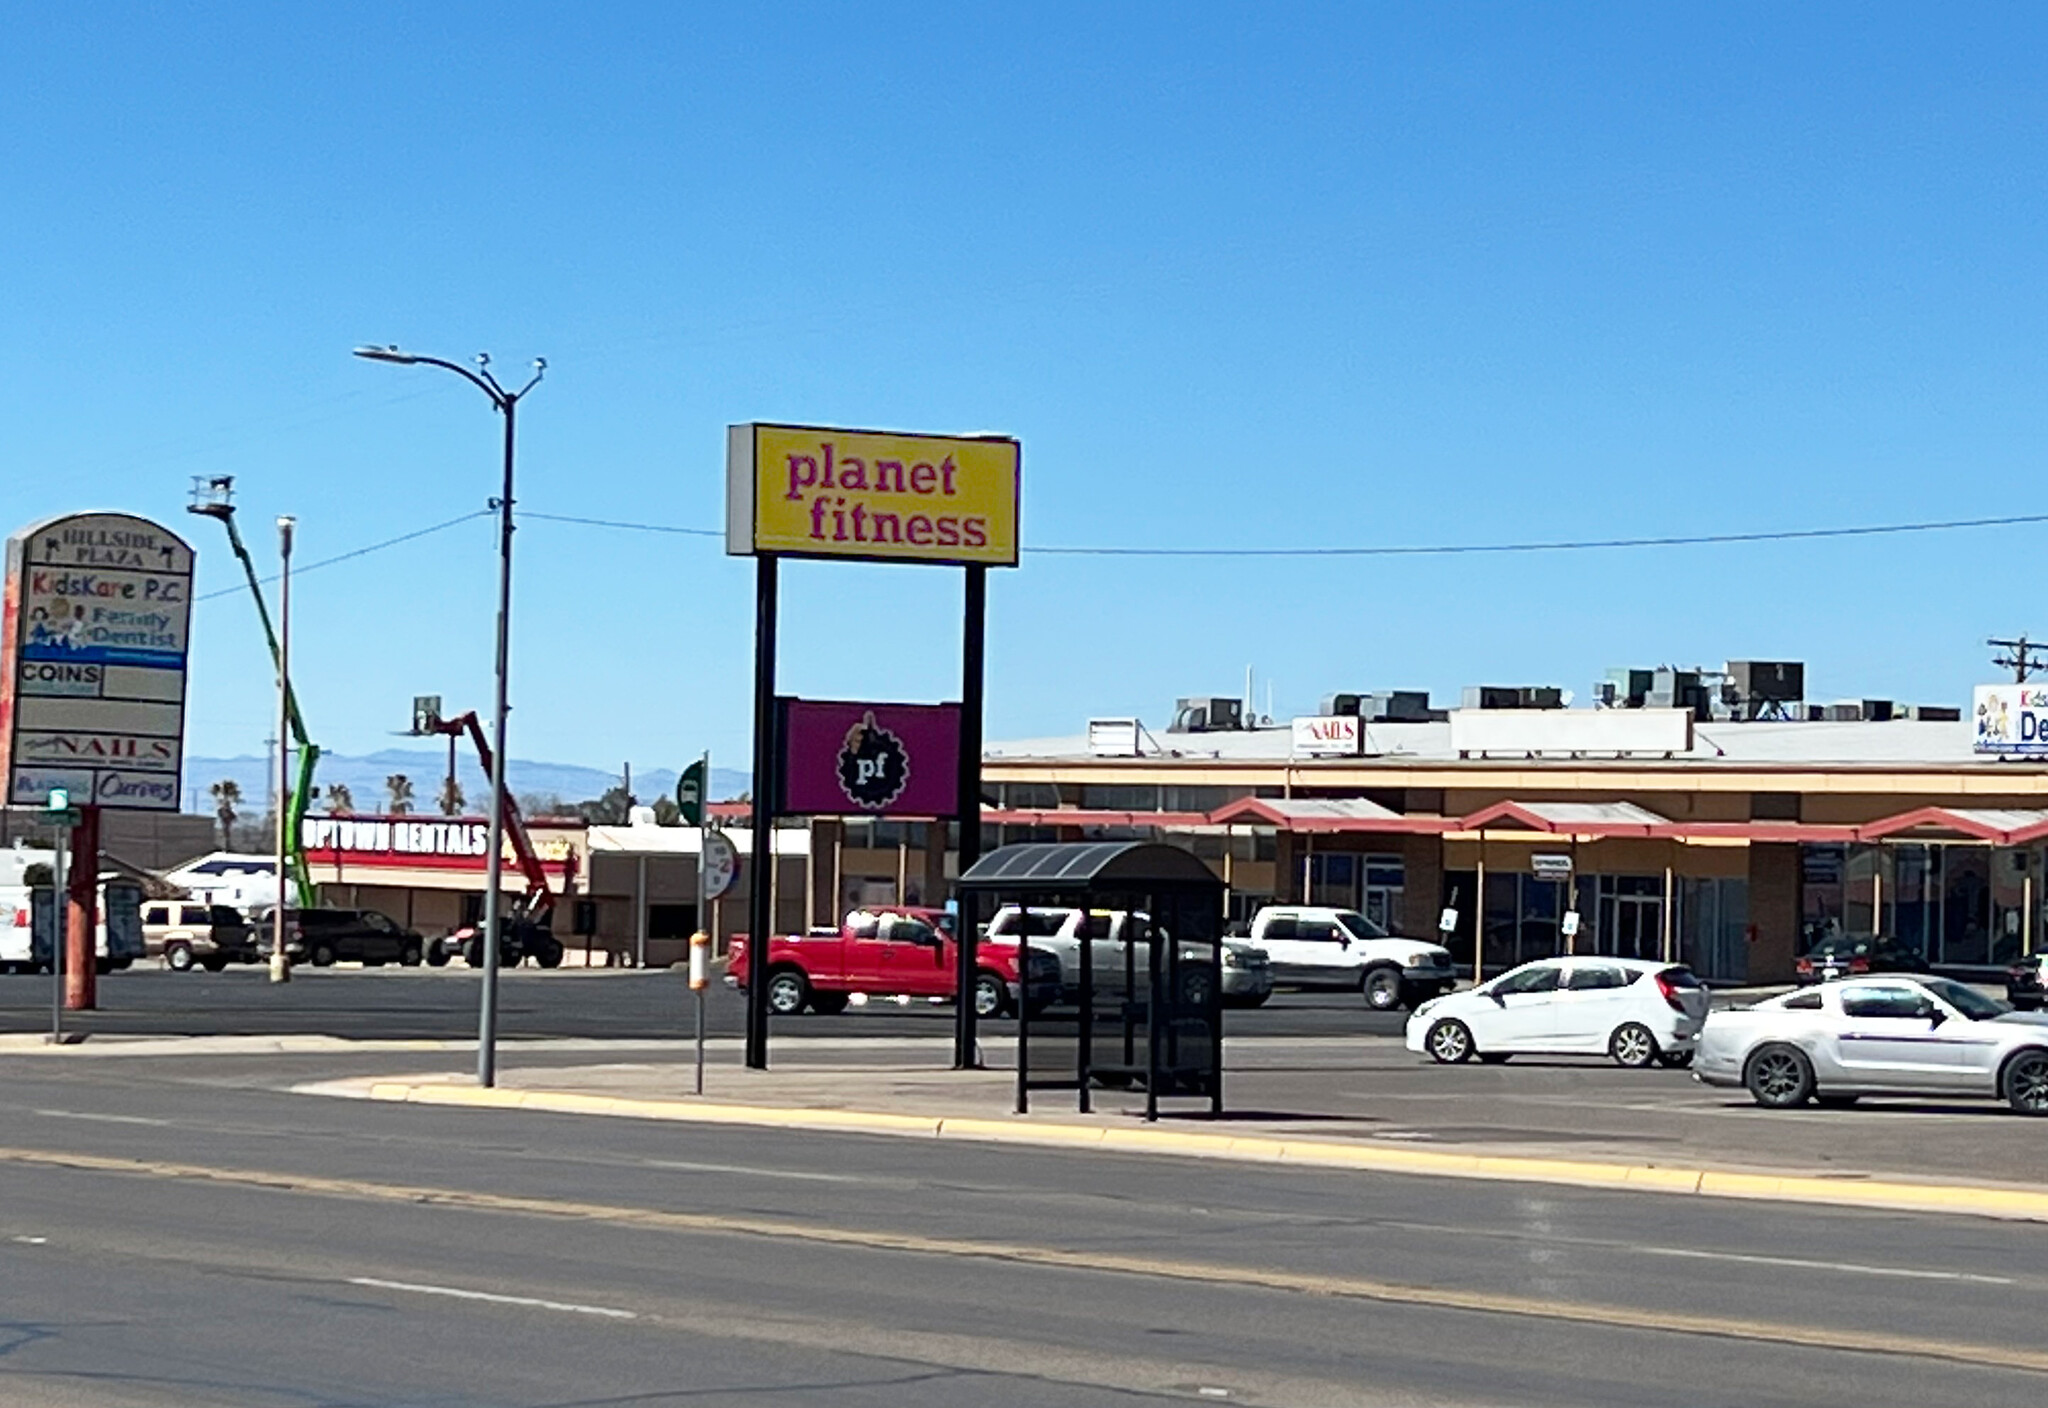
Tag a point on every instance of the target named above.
point(1141, 1001)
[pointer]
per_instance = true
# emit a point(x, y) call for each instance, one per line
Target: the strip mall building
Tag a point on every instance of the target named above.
point(1732, 846)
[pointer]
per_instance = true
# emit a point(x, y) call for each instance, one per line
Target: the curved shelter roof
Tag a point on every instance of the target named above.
point(1081, 867)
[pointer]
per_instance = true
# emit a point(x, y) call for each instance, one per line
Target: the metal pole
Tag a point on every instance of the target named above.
point(487, 1007)
point(973, 656)
point(701, 942)
point(280, 967)
point(60, 922)
point(760, 911)
point(640, 913)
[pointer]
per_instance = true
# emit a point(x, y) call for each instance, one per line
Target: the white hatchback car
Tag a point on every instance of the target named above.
point(1639, 1013)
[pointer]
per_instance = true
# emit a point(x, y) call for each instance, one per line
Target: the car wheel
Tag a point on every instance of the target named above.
point(473, 954)
point(1675, 1060)
point(548, 955)
point(1382, 989)
point(437, 957)
point(1779, 1077)
point(214, 965)
point(2025, 1083)
point(1449, 1042)
point(322, 955)
point(178, 958)
point(787, 992)
point(828, 1004)
point(991, 996)
point(1632, 1046)
point(1493, 1058)
point(1835, 1102)
point(409, 956)
point(1257, 999)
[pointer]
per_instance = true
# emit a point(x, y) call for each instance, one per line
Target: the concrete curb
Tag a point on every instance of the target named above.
point(1897, 1195)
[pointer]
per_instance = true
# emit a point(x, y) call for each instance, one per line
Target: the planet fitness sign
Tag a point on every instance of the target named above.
point(92, 662)
point(813, 491)
point(841, 759)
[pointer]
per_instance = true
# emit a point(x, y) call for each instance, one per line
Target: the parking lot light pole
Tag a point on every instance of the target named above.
point(506, 403)
point(280, 967)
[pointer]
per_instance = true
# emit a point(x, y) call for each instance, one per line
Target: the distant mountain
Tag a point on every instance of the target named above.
point(364, 776)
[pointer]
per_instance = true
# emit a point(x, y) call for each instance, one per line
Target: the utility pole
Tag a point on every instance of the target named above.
point(280, 963)
point(2022, 656)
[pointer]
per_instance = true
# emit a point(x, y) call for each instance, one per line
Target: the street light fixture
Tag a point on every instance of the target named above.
point(506, 403)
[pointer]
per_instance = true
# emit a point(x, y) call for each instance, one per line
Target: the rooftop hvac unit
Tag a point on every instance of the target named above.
point(1842, 713)
point(1397, 706)
point(1935, 713)
point(1877, 710)
point(1213, 713)
point(1626, 688)
point(1342, 705)
point(1115, 738)
point(1767, 689)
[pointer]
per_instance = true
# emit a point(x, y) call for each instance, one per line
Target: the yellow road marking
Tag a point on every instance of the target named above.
point(2001, 1356)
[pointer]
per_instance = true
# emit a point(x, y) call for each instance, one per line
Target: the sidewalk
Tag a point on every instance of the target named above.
point(1563, 1125)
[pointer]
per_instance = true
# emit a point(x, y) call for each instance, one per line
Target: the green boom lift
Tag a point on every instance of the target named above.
point(213, 497)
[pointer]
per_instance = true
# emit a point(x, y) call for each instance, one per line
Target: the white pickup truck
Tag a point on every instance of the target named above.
point(1341, 950)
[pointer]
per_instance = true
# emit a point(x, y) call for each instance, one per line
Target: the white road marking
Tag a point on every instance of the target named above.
point(682, 1166)
point(491, 1297)
point(33, 1241)
point(102, 1119)
point(1850, 1267)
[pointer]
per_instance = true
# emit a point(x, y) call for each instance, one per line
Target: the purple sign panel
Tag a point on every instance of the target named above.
point(846, 759)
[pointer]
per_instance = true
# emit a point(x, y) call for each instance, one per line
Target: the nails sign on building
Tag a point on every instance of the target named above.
point(92, 662)
point(814, 491)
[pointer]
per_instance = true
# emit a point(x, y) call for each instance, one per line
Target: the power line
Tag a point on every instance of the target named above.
point(1430, 550)
point(360, 552)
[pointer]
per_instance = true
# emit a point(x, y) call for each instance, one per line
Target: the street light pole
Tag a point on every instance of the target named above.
point(507, 403)
point(280, 967)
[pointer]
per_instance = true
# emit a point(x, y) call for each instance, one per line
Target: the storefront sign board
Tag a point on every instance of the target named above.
point(817, 491)
point(2010, 719)
point(857, 759)
point(92, 662)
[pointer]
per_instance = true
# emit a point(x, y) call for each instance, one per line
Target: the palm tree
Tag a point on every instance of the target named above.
point(451, 799)
point(399, 787)
point(227, 795)
point(340, 801)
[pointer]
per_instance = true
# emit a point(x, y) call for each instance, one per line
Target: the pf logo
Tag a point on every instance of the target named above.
point(873, 766)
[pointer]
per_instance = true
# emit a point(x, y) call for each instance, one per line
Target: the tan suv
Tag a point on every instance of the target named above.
point(187, 934)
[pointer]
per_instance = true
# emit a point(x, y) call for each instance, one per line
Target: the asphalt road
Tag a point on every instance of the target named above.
point(177, 1234)
point(619, 1004)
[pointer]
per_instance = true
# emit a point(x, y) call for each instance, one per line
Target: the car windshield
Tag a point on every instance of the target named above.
point(1967, 1000)
point(1359, 925)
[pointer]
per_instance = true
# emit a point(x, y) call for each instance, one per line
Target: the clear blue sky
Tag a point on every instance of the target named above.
point(1236, 275)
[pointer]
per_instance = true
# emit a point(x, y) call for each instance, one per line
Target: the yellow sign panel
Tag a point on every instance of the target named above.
point(814, 491)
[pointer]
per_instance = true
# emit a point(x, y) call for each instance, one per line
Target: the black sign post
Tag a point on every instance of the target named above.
point(968, 811)
point(767, 788)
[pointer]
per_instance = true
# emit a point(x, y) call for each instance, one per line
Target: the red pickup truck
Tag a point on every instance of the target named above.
point(890, 952)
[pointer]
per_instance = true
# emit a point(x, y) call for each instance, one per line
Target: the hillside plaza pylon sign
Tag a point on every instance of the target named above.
point(93, 639)
point(867, 496)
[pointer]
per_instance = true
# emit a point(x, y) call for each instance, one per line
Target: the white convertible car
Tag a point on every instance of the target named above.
point(1878, 1036)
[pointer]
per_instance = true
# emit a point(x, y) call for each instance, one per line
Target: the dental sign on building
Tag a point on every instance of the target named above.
point(2010, 719)
point(813, 491)
point(92, 662)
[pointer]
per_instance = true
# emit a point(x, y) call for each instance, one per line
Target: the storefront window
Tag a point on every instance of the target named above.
point(2008, 903)
point(1713, 927)
point(1965, 904)
point(1913, 895)
point(1385, 879)
point(1823, 886)
point(1333, 880)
